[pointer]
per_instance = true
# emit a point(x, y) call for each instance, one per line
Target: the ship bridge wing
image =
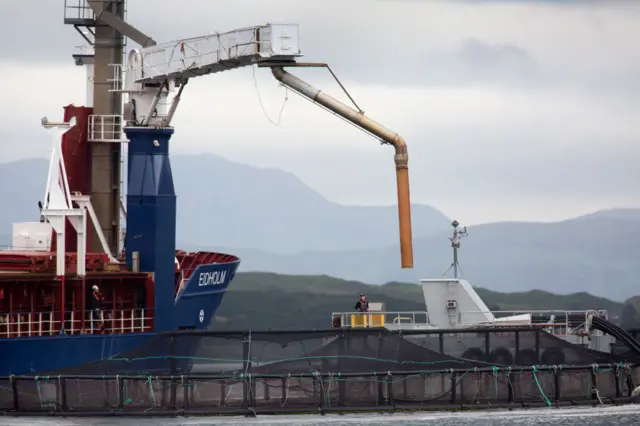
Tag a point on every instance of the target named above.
point(213, 53)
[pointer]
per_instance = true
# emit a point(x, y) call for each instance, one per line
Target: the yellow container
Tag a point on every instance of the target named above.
point(358, 320)
point(377, 320)
point(367, 320)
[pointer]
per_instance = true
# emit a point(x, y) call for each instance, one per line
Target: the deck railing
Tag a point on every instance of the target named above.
point(379, 319)
point(556, 322)
point(119, 321)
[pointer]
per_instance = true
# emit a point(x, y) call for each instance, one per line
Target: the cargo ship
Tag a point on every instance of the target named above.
point(75, 250)
point(76, 287)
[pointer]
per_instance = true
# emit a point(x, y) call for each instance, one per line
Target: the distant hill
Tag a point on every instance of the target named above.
point(266, 300)
point(628, 214)
point(277, 223)
point(225, 203)
point(587, 254)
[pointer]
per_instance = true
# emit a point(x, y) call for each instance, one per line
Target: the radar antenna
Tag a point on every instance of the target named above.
point(458, 233)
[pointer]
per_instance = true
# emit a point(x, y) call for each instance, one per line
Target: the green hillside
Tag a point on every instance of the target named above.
point(260, 300)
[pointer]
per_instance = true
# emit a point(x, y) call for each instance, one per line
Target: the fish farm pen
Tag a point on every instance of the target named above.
point(323, 371)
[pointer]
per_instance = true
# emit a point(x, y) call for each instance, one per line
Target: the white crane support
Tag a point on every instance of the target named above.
point(58, 205)
point(182, 59)
point(153, 72)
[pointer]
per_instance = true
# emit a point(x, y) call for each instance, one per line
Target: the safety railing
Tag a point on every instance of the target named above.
point(27, 324)
point(106, 128)
point(77, 12)
point(556, 322)
point(379, 319)
point(119, 321)
point(129, 321)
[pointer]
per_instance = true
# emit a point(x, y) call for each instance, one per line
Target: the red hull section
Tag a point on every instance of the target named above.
point(31, 294)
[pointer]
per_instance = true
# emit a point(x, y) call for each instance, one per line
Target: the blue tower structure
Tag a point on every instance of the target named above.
point(151, 215)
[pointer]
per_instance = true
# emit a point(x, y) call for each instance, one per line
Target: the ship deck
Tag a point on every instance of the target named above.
point(25, 276)
point(42, 264)
point(35, 301)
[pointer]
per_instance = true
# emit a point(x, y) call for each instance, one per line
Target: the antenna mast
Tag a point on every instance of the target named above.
point(458, 233)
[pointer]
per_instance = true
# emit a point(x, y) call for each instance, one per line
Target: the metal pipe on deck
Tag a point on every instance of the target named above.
point(401, 157)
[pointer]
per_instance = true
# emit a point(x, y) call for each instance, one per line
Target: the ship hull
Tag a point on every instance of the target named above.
point(194, 307)
point(50, 353)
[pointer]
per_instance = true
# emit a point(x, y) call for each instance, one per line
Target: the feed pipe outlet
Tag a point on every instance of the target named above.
point(401, 157)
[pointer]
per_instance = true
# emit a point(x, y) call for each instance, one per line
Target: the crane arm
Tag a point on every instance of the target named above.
point(128, 30)
point(192, 57)
point(153, 72)
point(401, 156)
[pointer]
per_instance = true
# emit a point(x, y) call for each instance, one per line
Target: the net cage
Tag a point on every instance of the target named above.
point(194, 373)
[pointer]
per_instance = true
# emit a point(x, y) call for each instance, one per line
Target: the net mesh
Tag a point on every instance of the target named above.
point(337, 369)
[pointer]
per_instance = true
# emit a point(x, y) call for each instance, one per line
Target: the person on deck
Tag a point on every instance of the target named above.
point(95, 300)
point(362, 305)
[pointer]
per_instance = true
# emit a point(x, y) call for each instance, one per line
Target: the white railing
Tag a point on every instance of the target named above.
point(19, 325)
point(379, 319)
point(48, 323)
point(117, 78)
point(106, 128)
point(208, 54)
point(557, 322)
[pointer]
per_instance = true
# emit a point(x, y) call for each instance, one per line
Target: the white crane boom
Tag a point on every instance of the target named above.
point(177, 60)
point(154, 71)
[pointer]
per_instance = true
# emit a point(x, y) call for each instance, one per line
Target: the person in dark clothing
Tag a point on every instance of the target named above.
point(94, 302)
point(362, 305)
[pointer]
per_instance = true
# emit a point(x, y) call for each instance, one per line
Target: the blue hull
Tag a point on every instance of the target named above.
point(50, 353)
point(194, 307)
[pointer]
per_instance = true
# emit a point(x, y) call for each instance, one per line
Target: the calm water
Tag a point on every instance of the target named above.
point(628, 415)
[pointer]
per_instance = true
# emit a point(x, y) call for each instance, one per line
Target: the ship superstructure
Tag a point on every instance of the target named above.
point(79, 246)
point(453, 304)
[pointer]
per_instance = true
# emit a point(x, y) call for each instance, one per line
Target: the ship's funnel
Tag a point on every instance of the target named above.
point(401, 157)
point(151, 216)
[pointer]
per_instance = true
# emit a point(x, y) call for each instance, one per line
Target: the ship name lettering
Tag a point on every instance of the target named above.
point(211, 278)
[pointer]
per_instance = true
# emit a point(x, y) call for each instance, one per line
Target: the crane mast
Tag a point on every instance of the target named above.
point(101, 23)
point(152, 82)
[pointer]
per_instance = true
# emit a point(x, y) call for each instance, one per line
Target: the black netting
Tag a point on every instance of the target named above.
point(274, 353)
point(337, 369)
point(382, 351)
point(516, 348)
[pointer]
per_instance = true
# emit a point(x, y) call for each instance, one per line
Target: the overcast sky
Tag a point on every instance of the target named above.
point(512, 110)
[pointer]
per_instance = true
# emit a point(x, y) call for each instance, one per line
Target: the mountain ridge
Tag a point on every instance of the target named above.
point(267, 300)
point(275, 222)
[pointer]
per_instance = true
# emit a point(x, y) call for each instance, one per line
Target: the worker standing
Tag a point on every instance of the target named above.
point(362, 305)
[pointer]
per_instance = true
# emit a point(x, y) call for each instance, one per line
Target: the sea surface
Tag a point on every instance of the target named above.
point(598, 416)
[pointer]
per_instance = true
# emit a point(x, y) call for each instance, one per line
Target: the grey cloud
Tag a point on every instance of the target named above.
point(33, 32)
point(472, 163)
point(475, 52)
point(472, 61)
point(388, 57)
point(478, 62)
point(554, 176)
point(358, 51)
